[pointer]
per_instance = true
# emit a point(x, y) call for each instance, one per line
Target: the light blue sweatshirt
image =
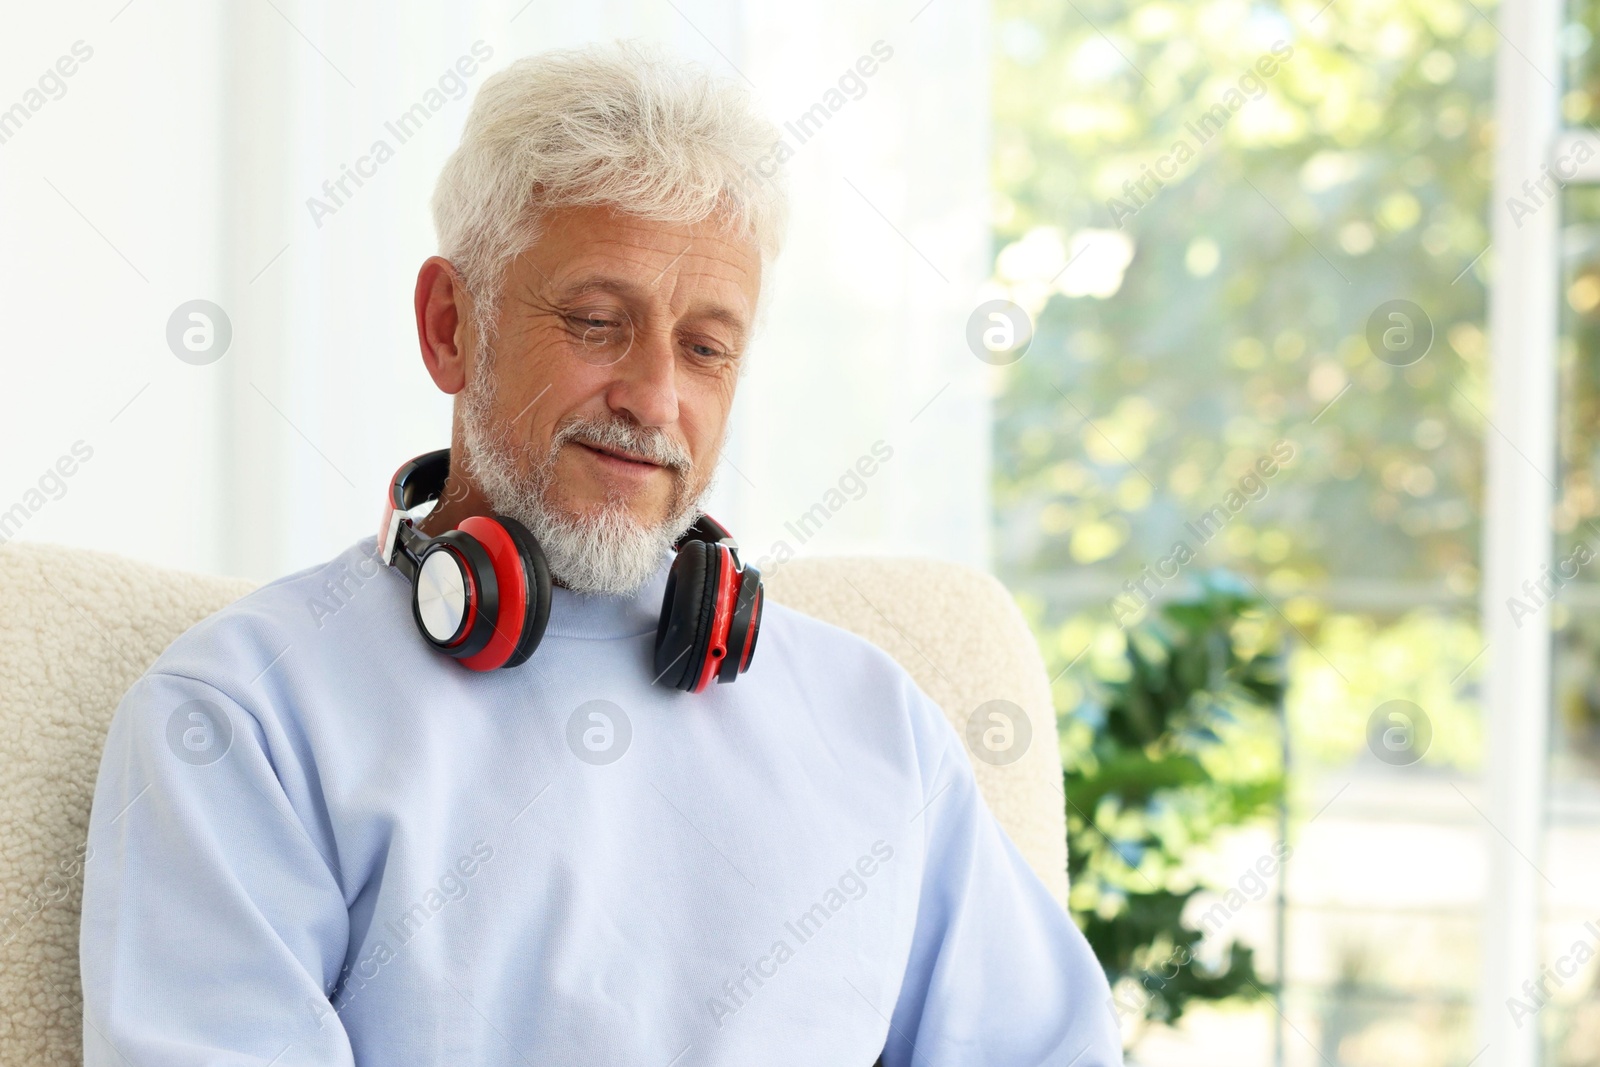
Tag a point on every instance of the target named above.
point(316, 841)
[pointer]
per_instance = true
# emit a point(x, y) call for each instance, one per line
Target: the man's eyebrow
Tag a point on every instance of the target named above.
point(624, 287)
point(599, 283)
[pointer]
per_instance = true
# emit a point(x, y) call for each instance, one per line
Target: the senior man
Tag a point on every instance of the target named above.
point(471, 806)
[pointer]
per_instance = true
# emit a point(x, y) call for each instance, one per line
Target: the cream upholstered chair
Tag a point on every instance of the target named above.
point(77, 627)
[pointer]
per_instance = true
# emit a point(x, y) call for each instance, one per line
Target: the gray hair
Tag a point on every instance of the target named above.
point(621, 125)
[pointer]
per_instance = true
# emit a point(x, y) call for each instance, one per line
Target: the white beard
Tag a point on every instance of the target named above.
point(606, 551)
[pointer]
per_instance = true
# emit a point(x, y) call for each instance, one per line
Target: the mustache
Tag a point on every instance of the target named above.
point(656, 446)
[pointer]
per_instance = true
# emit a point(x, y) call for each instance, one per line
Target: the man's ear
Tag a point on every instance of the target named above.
point(443, 310)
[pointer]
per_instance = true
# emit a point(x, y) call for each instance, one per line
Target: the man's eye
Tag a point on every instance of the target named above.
point(593, 321)
point(598, 328)
point(708, 352)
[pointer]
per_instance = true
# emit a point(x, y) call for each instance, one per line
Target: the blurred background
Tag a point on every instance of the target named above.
point(1255, 347)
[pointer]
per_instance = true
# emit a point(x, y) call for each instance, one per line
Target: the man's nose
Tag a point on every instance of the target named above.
point(644, 382)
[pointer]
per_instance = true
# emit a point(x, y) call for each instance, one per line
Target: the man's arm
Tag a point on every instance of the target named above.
point(998, 973)
point(213, 922)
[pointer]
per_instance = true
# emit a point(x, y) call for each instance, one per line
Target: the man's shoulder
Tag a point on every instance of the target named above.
point(798, 626)
point(840, 654)
point(319, 606)
point(844, 673)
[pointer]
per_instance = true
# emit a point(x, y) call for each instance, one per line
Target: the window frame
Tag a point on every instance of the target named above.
point(1518, 533)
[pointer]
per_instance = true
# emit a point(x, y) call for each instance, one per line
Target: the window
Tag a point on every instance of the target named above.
point(1248, 232)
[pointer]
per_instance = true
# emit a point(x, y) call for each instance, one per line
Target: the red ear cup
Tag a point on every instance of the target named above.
point(685, 607)
point(511, 577)
point(723, 589)
point(710, 615)
point(537, 571)
point(745, 626)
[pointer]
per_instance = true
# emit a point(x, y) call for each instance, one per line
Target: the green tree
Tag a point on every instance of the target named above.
point(1356, 174)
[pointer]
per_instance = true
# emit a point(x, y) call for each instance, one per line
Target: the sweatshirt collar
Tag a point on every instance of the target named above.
point(600, 617)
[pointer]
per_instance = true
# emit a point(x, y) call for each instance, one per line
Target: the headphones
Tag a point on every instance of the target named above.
point(480, 593)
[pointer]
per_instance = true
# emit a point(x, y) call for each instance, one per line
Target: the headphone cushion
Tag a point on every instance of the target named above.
point(537, 570)
point(745, 625)
point(686, 610)
point(512, 578)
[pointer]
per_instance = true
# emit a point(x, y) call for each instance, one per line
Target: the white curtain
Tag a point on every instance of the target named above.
point(230, 155)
